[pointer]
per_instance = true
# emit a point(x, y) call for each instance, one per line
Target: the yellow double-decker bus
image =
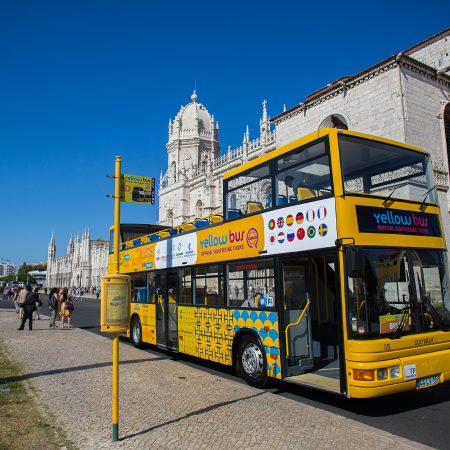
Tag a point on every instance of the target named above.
point(328, 268)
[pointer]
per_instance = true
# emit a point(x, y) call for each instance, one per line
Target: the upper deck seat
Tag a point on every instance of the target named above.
point(187, 226)
point(215, 218)
point(305, 193)
point(201, 223)
point(154, 237)
point(282, 200)
point(137, 242)
point(254, 207)
point(233, 213)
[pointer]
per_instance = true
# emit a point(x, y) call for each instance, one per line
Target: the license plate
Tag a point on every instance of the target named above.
point(427, 381)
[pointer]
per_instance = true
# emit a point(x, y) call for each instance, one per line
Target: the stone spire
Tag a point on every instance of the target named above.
point(170, 127)
point(264, 105)
point(264, 127)
point(70, 245)
point(52, 248)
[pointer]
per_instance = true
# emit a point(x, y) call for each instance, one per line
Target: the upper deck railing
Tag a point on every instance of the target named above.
point(185, 227)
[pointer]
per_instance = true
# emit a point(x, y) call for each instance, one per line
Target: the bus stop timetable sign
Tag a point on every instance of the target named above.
point(115, 303)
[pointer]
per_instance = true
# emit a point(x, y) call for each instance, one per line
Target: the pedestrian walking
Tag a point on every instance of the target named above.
point(37, 297)
point(19, 300)
point(53, 306)
point(28, 308)
point(97, 292)
point(67, 308)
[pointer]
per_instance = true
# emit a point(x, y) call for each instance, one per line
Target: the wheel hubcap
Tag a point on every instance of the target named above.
point(136, 333)
point(252, 360)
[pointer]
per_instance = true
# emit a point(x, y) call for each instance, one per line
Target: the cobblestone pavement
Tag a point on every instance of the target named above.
point(166, 404)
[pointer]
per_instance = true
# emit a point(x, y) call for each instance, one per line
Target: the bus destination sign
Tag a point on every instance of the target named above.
point(397, 221)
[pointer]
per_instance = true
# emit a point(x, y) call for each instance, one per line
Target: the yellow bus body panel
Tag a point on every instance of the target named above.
point(147, 316)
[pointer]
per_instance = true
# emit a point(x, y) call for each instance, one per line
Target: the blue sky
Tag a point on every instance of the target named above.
point(82, 81)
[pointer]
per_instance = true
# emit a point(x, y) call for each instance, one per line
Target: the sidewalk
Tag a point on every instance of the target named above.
point(166, 404)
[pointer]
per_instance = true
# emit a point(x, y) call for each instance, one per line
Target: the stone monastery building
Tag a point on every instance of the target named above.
point(405, 98)
point(84, 264)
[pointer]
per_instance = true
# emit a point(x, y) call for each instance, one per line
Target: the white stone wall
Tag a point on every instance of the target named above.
point(424, 100)
point(373, 107)
point(436, 54)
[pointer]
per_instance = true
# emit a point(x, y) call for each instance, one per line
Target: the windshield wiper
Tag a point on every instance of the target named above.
point(434, 314)
point(426, 195)
point(393, 190)
point(406, 315)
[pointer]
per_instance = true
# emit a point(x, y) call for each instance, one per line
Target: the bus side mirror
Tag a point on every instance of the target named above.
point(354, 261)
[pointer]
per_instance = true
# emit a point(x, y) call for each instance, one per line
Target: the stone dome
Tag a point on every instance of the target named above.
point(193, 118)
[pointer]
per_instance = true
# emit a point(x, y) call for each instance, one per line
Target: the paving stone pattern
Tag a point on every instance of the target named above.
point(165, 404)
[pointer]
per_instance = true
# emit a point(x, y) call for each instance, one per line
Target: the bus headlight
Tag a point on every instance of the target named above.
point(382, 374)
point(394, 372)
point(363, 375)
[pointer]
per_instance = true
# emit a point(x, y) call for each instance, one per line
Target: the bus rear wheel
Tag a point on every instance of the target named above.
point(252, 362)
point(136, 332)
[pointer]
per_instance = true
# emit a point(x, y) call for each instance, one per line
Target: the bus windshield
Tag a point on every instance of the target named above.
point(373, 167)
point(397, 287)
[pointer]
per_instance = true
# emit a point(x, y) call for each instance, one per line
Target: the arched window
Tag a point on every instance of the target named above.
point(447, 130)
point(266, 195)
point(199, 209)
point(232, 201)
point(334, 121)
point(170, 217)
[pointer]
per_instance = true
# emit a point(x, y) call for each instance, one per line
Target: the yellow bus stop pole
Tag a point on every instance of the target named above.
point(115, 355)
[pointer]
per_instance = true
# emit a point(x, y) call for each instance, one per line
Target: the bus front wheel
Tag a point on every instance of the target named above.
point(136, 332)
point(252, 362)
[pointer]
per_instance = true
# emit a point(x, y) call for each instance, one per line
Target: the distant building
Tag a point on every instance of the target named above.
point(40, 276)
point(84, 263)
point(6, 268)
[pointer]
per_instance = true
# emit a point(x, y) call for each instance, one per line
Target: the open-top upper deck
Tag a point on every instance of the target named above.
point(290, 195)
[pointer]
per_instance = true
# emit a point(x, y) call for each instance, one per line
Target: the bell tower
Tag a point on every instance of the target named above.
point(193, 143)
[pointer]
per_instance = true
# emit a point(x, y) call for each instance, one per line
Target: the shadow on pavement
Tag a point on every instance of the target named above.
point(72, 369)
point(193, 413)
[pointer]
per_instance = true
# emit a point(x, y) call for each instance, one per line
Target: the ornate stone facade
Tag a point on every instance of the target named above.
point(192, 185)
point(84, 263)
point(405, 98)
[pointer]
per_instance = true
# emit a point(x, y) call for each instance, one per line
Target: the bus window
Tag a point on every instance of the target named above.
point(252, 284)
point(139, 287)
point(186, 286)
point(382, 169)
point(303, 175)
point(152, 287)
point(249, 193)
point(393, 283)
point(209, 286)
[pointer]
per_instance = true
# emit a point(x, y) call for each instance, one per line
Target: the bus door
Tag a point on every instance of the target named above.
point(166, 311)
point(312, 325)
point(297, 318)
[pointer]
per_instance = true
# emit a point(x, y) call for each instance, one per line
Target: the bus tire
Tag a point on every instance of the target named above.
point(136, 332)
point(252, 362)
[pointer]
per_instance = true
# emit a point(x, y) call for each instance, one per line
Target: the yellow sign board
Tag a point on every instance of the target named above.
point(115, 301)
point(137, 189)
